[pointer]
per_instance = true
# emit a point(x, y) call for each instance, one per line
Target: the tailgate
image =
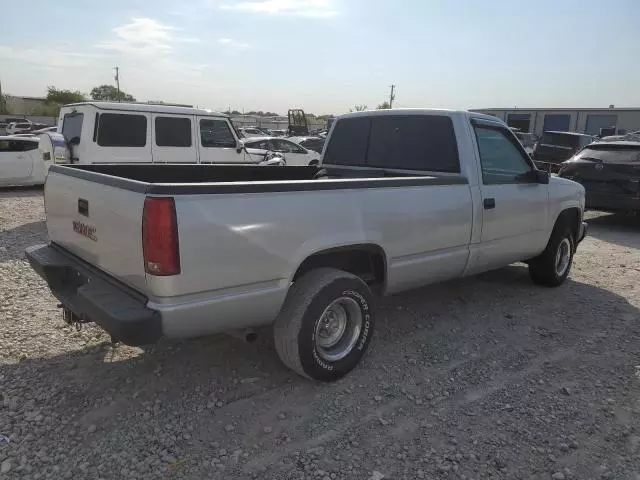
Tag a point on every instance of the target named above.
point(101, 224)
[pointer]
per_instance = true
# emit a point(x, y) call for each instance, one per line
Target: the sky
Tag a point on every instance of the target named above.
point(326, 56)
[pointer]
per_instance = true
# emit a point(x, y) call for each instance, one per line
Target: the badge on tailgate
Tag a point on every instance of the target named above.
point(82, 228)
point(85, 230)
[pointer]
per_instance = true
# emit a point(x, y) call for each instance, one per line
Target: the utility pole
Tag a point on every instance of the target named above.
point(117, 69)
point(392, 96)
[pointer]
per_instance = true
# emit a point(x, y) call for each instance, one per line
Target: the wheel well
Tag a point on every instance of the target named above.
point(366, 261)
point(570, 217)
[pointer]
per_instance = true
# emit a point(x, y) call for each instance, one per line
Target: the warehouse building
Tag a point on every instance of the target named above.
point(614, 121)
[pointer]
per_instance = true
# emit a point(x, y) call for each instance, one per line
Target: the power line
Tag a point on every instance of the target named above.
point(117, 69)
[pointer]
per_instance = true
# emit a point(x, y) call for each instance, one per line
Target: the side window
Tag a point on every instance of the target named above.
point(23, 146)
point(413, 142)
point(348, 142)
point(216, 133)
point(122, 130)
point(72, 125)
point(276, 146)
point(501, 159)
point(294, 148)
point(173, 132)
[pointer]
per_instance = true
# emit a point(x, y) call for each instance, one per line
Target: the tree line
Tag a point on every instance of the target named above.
point(57, 97)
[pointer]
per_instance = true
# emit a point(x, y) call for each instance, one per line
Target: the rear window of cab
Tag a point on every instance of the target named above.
point(403, 142)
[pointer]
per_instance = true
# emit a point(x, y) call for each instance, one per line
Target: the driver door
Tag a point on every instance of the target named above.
point(514, 206)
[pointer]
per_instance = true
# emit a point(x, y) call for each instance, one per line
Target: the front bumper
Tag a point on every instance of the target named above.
point(583, 231)
point(94, 296)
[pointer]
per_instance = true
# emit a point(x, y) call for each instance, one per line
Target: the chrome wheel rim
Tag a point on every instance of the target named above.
point(563, 257)
point(338, 329)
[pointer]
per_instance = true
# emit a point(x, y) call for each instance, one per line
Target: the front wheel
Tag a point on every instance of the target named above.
point(325, 325)
point(552, 267)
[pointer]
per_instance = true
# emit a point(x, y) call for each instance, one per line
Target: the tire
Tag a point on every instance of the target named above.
point(548, 268)
point(304, 344)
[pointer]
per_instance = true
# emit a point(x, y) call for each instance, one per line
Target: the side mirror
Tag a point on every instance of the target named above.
point(239, 147)
point(541, 177)
point(74, 141)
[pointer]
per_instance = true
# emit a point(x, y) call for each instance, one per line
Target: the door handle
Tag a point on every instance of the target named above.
point(489, 203)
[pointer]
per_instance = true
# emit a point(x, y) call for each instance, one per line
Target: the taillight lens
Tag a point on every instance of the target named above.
point(160, 237)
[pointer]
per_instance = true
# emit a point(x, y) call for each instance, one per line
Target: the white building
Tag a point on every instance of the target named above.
point(582, 120)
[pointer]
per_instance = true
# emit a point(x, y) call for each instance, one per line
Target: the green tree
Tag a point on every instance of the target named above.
point(383, 106)
point(110, 93)
point(358, 108)
point(48, 110)
point(63, 97)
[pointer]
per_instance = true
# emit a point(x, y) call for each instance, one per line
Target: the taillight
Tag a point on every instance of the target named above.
point(160, 237)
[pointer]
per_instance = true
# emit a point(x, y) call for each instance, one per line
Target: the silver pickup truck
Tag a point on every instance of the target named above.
point(403, 198)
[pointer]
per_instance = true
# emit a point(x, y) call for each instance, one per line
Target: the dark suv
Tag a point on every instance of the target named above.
point(609, 173)
point(556, 147)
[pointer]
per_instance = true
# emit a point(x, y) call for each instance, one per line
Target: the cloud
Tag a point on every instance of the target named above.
point(144, 36)
point(48, 57)
point(231, 43)
point(301, 8)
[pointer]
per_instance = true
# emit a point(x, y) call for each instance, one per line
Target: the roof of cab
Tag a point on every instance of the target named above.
point(148, 108)
point(421, 111)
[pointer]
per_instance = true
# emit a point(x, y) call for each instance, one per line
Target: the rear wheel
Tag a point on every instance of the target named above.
point(552, 267)
point(325, 325)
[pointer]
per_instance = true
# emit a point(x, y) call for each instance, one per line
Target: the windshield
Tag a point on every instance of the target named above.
point(611, 154)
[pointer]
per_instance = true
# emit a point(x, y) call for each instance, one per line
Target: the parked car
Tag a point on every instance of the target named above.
point(610, 174)
point(22, 127)
point(404, 198)
point(3, 128)
point(249, 132)
point(556, 147)
point(279, 133)
point(310, 143)
point(293, 153)
point(99, 132)
point(20, 162)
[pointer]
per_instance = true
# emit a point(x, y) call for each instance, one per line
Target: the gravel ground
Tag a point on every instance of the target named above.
point(488, 377)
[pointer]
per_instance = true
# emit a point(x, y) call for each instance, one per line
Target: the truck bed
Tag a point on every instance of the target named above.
point(180, 179)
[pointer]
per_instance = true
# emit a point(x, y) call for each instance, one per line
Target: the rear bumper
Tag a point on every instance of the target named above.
point(96, 297)
point(612, 203)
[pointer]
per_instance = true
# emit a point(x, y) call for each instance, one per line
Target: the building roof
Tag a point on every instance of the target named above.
point(562, 109)
point(148, 107)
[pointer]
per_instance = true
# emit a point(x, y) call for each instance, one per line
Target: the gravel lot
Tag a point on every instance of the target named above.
point(489, 377)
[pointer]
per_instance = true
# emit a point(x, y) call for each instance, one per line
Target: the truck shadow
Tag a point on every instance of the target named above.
point(430, 325)
point(620, 229)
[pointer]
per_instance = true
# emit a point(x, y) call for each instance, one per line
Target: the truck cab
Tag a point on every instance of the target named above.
point(111, 132)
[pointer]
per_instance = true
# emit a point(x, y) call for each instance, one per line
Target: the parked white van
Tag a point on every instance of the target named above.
point(111, 132)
